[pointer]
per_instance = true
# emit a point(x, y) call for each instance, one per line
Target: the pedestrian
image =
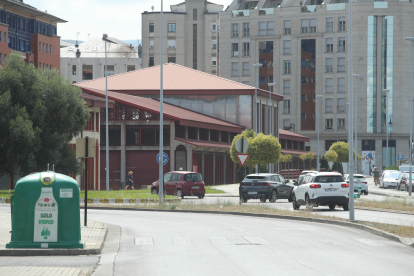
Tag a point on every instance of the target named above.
point(375, 173)
point(130, 181)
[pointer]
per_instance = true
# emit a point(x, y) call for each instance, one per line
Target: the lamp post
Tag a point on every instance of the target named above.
point(411, 114)
point(386, 118)
point(272, 84)
point(318, 119)
point(161, 164)
point(351, 148)
point(256, 65)
point(105, 36)
point(356, 122)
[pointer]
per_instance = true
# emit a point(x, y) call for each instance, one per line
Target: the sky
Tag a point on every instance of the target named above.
point(119, 18)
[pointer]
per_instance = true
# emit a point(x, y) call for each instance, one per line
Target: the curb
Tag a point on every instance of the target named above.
point(384, 210)
point(58, 251)
point(317, 220)
point(385, 194)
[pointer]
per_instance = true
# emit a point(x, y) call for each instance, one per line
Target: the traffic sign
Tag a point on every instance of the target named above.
point(241, 145)
point(164, 158)
point(400, 156)
point(242, 158)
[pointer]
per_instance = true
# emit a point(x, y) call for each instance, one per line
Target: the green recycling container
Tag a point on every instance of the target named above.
point(45, 212)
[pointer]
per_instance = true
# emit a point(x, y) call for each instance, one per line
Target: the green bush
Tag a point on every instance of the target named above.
point(392, 167)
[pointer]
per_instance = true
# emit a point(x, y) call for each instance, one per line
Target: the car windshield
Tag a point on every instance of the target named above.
point(255, 177)
point(391, 175)
point(329, 178)
point(193, 177)
point(359, 177)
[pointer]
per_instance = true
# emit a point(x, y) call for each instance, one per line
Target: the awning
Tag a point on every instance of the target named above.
point(205, 144)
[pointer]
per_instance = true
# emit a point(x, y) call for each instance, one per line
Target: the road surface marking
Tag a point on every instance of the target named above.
point(181, 240)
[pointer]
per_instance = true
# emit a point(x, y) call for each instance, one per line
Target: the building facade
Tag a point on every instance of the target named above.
point(30, 33)
point(189, 36)
point(304, 48)
point(87, 61)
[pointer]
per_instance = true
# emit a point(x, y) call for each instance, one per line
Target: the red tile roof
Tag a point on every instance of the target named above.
point(176, 78)
point(205, 144)
point(284, 134)
point(184, 116)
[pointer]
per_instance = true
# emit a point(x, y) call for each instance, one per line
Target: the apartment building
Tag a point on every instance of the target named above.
point(304, 48)
point(86, 61)
point(189, 36)
point(30, 33)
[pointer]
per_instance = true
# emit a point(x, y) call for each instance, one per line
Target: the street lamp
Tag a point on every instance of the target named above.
point(256, 65)
point(356, 122)
point(386, 118)
point(272, 84)
point(161, 149)
point(104, 37)
point(411, 113)
point(316, 110)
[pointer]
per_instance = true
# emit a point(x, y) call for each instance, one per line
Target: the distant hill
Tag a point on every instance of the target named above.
point(134, 42)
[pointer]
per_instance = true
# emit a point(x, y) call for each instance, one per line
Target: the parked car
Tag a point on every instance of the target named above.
point(181, 183)
point(389, 178)
point(302, 175)
point(265, 186)
point(359, 180)
point(404, 182)
point(321, 189)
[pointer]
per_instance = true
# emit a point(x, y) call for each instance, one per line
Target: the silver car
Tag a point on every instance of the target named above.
point(389, 179)
point(359, 180)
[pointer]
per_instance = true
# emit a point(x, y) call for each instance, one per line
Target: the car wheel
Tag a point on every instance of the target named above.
point(295, 205)
point(263, 199)
point(154, 191)
point(273, 197)
point(290, 198)
point(179, 193)
point(366, 193)
point(243, 199)
point(201, 196)
point(309, 205)
point(331, 206)
point(346, 207)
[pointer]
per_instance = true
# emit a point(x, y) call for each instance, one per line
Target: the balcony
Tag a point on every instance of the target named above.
point(240, 13)
point(246, 53)
point(312, 30)
point(286, 31)
point(234, 34)
point(329, 48)
point(286, 110)
point(235, 53)
point(246, 33)
point(341, 27)
point(341, 109)
point(329, 69)
point(341, 48)
point(286, 71)
point(304, 30)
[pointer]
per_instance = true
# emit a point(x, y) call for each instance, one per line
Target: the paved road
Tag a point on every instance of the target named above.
point(158, 243)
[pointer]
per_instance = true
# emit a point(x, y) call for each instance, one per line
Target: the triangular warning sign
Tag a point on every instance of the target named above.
point(242, 158)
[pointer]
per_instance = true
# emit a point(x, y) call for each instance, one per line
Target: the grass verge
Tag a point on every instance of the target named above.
point(399, 230)
point(388, 203)
point(210, 190)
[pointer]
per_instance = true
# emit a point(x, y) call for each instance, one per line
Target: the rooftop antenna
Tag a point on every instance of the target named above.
point(152, 8)
point(77, 36)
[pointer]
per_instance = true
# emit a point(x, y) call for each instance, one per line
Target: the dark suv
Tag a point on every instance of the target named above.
point(181, 184)
point(265, 186)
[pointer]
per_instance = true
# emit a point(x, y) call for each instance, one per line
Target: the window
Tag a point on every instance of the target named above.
point(171, 43)
point(47, 47)
point(304, 26)
point(286, 124)
point(43, 47)
point(214, 44)
point(194, 14)
point(246, 69)
point(1, 35)
point(246, 29)
point(40, 46)
point(341, 44)
point(214, 28)
point(286, 86)
point(235, 49)
point(286, 47)
point(270, 28)
point(151, 61)
point(312, 25)
point(151, 27)
point(0, 57)
point(303, 116)
point(234, 30)
point(171, 59)
point(329, 45)
point(328, 105)
point(328, 123)
point(262, 28)
point(286, 67)
point(28, 47)
point(341, 123)
point(341, 105)
point(110, 69)
point(246, 49)
point(47, 66)
point(73, 69)
point(328, 85)
point(341, 64)
point(171, 27)
point(341, 85)
point(151, 43)
point(87, 72)
point(40, 65)
point(5, 36)
point(246, 82)
point(213, 61)
point(329, 65)
point(234, 69)
point(286, 106)
point(286, 27)
point(329, 24)
point(130, 68)
point(341, 25)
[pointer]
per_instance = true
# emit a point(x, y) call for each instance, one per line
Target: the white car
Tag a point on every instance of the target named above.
point(389, 178)
point(359, 180)
point(321, 189)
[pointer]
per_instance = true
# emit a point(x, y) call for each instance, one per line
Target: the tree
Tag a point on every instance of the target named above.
point(331, 156)
point(310, 156)
point(324, 163)
point(303, 157)
point(40, 113)
point(342, 149)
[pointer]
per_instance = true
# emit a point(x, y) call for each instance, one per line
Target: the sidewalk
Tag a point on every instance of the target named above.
point(41, 271)
point(93, 237)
